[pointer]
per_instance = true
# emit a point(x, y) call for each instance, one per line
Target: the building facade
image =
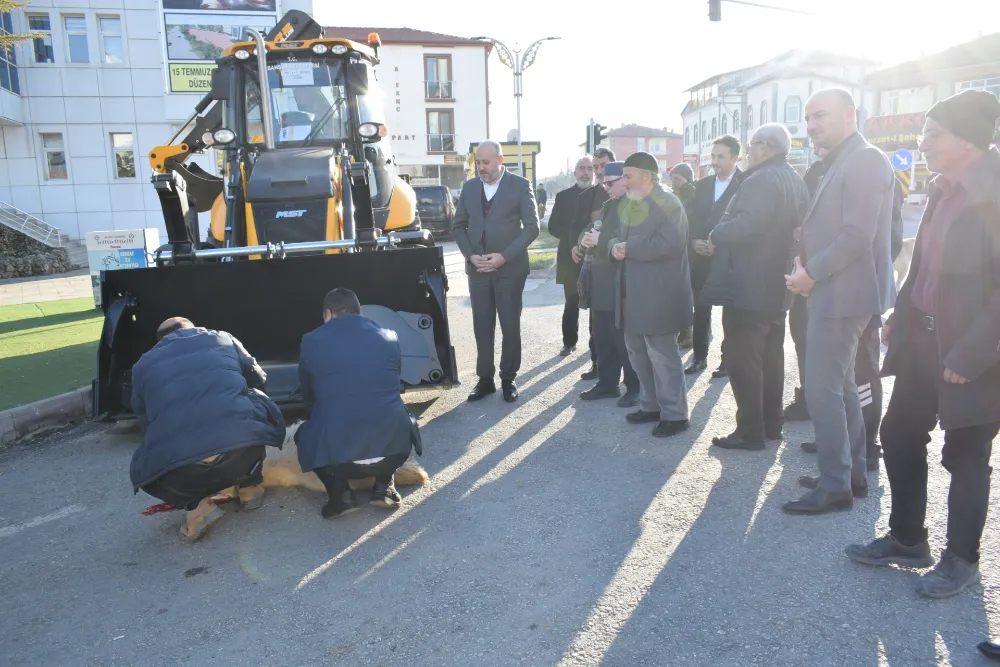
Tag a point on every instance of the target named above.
point(896, 98)
point(773, 92)
point(105, 81)
point(661, 143)
point(437, 100)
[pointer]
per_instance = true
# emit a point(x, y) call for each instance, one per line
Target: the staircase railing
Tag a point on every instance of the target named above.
point(30, 226)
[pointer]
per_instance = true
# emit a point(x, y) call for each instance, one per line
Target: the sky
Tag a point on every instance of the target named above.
point(631, 62)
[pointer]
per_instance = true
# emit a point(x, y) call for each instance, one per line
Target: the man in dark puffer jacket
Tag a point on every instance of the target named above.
point(197, 394)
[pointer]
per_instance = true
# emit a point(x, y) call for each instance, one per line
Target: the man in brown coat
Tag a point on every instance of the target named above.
point(944, 349)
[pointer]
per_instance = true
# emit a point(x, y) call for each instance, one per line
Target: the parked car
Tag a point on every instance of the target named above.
point(436, 208)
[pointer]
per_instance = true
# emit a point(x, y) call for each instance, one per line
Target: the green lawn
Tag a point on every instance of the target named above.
point(545, 240)
point(541, 260)
point(47, 349)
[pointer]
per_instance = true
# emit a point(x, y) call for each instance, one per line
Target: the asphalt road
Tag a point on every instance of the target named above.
point(552, 533)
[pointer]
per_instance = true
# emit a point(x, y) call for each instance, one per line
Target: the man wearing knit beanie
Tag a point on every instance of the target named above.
point(943, 350)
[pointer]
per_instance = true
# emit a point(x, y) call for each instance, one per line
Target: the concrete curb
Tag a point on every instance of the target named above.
point(61, 410)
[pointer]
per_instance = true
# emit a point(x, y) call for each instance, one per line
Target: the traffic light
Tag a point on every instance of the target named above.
point(599, 135)
point(714, 10)
point(589, 150)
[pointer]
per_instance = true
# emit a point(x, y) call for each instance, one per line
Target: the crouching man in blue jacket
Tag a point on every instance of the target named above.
point(197, 394)
point(358, 426)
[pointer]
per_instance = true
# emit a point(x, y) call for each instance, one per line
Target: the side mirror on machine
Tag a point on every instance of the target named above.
point(357, 78)
point(221, 80)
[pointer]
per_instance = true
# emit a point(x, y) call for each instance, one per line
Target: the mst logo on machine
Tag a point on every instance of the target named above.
point(290, 214)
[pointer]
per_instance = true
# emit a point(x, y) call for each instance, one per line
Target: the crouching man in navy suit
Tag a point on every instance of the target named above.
point(358, 426)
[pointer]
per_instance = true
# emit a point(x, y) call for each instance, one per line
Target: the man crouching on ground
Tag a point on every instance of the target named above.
point(197, 395)
point(358, 425)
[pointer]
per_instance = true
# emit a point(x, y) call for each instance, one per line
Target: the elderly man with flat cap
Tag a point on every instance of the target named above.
point(653, 300)
point(944, 349)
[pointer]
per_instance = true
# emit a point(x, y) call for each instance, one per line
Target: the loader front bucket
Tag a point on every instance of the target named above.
point(269, 305)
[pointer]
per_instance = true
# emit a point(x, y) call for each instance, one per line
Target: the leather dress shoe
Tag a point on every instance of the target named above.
point(990, 649)
point(629, 400)
point(734, 441)
point(642, 417)
point(797, 410)
point(339, 504)
point(820, 501)
point(567, 350)
point(809, 447)
point(813, 483)
point(483, 388)
point(695, 366)
point(590, 374)
point(720, 372)
point(773, 433)
point(665, 429)
point(509, 391)
point(595, 393)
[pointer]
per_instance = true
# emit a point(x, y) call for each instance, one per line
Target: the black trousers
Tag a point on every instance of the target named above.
point(612, 355)
point(701, 331)
point(866, 376)
point(191, 483)
point(911, 416)
point(336, 477)
point(798, 322)
point(571, 321)
point(497, 295)
point(755, 359)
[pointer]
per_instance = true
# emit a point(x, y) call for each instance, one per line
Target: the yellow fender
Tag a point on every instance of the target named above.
point(402, 206)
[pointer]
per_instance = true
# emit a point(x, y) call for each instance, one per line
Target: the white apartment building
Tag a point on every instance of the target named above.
point(775, 91)
point(437, 100)
point(105, 81)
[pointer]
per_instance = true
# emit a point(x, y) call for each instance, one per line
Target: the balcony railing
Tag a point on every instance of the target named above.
point(439, 90)
point(440, 143)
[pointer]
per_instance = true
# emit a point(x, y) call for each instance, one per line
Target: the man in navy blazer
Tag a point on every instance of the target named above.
point(495, 222)
point(358, 425)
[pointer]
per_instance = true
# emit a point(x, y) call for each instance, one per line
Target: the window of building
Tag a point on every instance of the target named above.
point(440, 131)
point(715, 128)
point(76, 39)
point(437, 78)
point(793, 109)
point(640, 144)
point(725, 123)
point(112, 47)
point(8, 59)
point(657, 146)
point(704, 130)
point(763, 112)
point(749, 117)
point(41, 43)
point(695, 133)
point(124, 148)
point(687, 136)
point(55, 156)
point(989, 85)
point(736, 122)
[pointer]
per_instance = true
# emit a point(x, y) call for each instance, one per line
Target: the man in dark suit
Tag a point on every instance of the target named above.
point(942, 347)
point(712, 195)
point(358, 425)
point(846, 271)
point(197, 395)
point(495, 222)
point(753, 246)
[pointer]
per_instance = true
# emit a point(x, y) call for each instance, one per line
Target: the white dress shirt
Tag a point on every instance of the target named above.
point(491, 190)
point(722, 185)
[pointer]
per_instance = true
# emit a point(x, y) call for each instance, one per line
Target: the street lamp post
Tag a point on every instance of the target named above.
point(518, 63)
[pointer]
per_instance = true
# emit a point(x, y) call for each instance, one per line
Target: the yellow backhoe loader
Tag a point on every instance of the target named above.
point(309, 200)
